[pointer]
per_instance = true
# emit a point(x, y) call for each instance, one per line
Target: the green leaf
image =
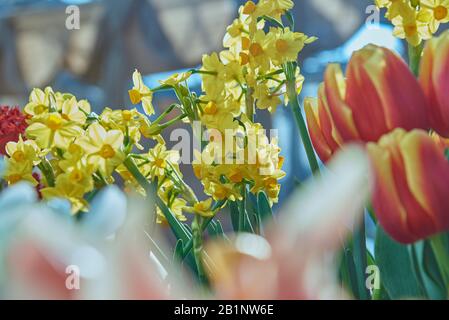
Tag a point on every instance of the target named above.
point(360, 260)
point(264, 208)
point(348, 272)
point(290, 19)
point(179, 230)
point(234, 210)
point(179, 250)
point(395, 265)
point(272, 21)
point(219, 228)
point(432, 271)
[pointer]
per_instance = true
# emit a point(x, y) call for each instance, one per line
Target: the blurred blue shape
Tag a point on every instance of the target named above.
point(76, 1)
point(381, 35)
point(19, 194)
point(107, 212)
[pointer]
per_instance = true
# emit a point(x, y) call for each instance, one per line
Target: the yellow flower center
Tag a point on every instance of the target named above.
point(76, 175)
point(249, 7)
point(210, 108)
point(255, 49)
point(280, 161)
point(197, 171)
point(220, 193)
point(159, 162)
point(245, 43)
point(270, 183)
point(244, 58)
point(40, 109)
point(126, 115)
point(14, 178)
point(440, 12)
point(281, 45)
point(74, 148)
point(410, 30)
point(200, 207)
point(54, 122)
point(236, 177)
point(18, 155)
point(107, 152)
point(134, 96)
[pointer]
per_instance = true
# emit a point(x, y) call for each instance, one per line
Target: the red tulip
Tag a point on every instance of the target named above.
point(411, 185)
point(434, 78)
point(378, 95)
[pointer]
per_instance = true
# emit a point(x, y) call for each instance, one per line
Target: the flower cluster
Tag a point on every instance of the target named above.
point(415, 20)
point(248, 73)
point(382, 104)
point(76, 150)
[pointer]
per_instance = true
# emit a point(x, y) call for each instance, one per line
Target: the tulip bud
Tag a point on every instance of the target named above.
point(323, 134)
point(411, 185)
point(434, 78)
point(378, 95)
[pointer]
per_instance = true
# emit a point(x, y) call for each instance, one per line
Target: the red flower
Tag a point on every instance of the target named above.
point(12, 124)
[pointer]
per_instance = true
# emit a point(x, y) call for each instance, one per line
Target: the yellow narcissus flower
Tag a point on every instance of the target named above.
point(70, 111)
point(23, 151)
point(216, 115)
point(176, 204)
point(213, 79)
point(104, 148)
point(176, 78)
point(259, 51)
point(72, 185)
point(440, 12)
point(285, 45)
point(39, 102)
point(19, 171)
point(141, 93)
point(277, 7)
point(71, 157)
point(158, 159)
point(221, 191)
point(413, 26)
point(265, 99)
point(202, 208)
point(394, 7)
point(127, 121)
point(51, 129)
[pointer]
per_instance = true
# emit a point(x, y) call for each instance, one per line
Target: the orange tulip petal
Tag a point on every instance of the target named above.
point(335, 90)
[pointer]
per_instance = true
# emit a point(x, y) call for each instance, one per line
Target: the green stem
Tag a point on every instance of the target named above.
point(151, 188)
point(294, 104)
point(165, 112)
point(197, 238)
point(188, 246)
point(414, 58)
point(47, 171)
point(441, 251)
point(249, 103)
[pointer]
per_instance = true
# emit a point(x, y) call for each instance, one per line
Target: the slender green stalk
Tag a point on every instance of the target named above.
point(188, 246)
point(47, 171)
point(249, 103)
point(441, 251)
point(294, 104)
point(197, 238)
point(414, 57)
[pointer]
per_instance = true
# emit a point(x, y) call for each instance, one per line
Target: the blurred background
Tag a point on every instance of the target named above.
point(160, 37)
